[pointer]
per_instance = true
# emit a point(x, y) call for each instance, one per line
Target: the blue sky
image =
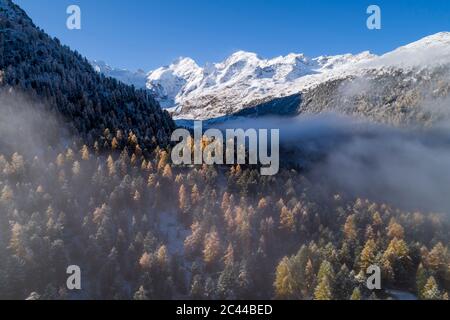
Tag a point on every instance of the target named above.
point(150, 33)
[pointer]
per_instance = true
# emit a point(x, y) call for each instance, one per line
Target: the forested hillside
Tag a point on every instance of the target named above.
point(86, 179)
point(35, 64)
point(417, 97)
point(143, 229)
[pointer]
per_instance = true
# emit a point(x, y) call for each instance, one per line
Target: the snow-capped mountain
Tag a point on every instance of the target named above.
point(137, 79)
point(245, 80)
point(424, 53)
point(177, 80)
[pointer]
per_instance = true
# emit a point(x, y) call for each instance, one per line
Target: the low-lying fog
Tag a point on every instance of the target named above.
point(407, 167)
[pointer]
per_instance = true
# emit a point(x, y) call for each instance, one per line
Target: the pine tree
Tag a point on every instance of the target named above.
point(309, 277)
point(137, 196)
point(17, 164)
point(183, 200)
point(287, 219)
point(323, 290)
point(76, 168)
point(368, 255)
point(212, 248)
point(114, 144)
point(226, 202)
point(168, 172)
point(197, 289)
point(283, 279)
point(431, 290)
point(111, 166)
point(162, 258)
point(397, 257)
point(325, 270)
point(210, 289)
point(229, 255)
point(195, 195)
point(395, 230)
point(350, 228)
point(141, 294)
point(85, 153)
point(16, 243)
point(70, 155)
point(344, 284)
point(243, 281)
point(229, 219)
point(421, 280)
point(194, 240)
point(226, 284)
point(7, 195)
point(377, 222)
point(262, 204)
point(145, 261)
point(437, 260)
point(163, 160)
point(356, 295)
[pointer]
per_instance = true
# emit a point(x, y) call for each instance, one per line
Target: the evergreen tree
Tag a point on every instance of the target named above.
point(226, 285)
point(283, 288)
point(212, 248)
point(430, 290)
point(421, 280)
point(368, 255)
point(323, 290)
point(309, 277)
point(197, 289)
point(141, 294)
point(356, 295)
point(344, 284)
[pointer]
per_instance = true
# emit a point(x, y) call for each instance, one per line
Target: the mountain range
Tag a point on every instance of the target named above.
point(246, 81)
point(87, 181)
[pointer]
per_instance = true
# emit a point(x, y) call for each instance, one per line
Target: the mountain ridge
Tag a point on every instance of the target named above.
point(38, 66)
point(245, 80)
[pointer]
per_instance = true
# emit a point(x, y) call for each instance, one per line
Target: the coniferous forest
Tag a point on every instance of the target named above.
point(86, 179)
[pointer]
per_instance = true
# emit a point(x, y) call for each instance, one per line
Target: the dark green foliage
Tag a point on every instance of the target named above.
point(35, 64)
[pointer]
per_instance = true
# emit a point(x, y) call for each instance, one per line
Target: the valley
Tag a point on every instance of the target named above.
point(87, 177)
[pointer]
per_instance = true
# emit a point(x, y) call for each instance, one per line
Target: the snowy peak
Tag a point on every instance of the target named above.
point(242, 56)
point(170, 81)
point(241, 66)
point(244, 78)
point(333, 62)
point(426, 52)
point(439, 39)
point(239, 80)
point(138, 78)
point(182, 67)
point(101, 66)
